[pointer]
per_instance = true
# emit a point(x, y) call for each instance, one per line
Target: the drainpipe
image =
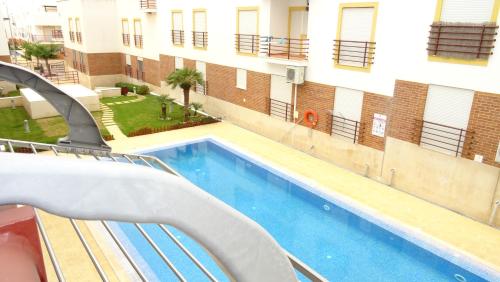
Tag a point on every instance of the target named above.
point(295, 103)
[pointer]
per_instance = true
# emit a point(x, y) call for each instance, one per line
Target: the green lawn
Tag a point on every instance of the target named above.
point(12, 93)
point(117, 99)
point(134, 116)
point(45, 130)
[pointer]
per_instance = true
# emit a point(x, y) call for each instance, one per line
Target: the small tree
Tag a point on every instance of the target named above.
point(45, 52)
point(185, 79)
point(164, 101)
point(196, 107)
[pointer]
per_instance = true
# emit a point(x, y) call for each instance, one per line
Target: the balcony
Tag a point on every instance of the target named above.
point(462, 40)
point(284, 48)
point(200, 39)
point(78, 37)
point(178, 37)
point(126, 39)
point(349, 129)
point(148, 6)
point(52, 38)
point(280, 110)
point(247, 44)
point(72, 36)
point(353, 53)
point(443, 138)
point(138, 41)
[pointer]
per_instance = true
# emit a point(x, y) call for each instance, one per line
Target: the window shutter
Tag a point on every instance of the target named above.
point(241, 79)
point(467, 11)
point(177, 21)
point(179, 63)
point(348, 103)
point(200, 21)
point(280, 89)
point(448, 105)
point(356, 26)
point(247, 23)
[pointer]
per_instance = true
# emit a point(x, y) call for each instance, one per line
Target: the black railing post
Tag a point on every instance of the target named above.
point(364, 55)
point(289, 42)
point(480, 42)
point(459, 141)
point(253, 42)
point(437, 40)
point(355, 131)
point(269, 46)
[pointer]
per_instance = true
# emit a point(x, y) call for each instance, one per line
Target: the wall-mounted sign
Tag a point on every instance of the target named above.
point(379, 122)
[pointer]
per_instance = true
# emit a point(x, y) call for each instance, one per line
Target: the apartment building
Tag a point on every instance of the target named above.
point(404, 92)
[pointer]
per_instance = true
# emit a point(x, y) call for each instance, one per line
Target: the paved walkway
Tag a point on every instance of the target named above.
point(138, 99)
point(109, 122)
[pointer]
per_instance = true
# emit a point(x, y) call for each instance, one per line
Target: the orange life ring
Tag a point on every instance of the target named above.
point(311, 118)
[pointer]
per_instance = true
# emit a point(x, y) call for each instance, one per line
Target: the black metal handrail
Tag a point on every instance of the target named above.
point(78, 37)
point(247, 43)
point(65, 77)
point(72, 36)
point(148, 4)
point(347, 128)
point(200, 39)
point(352, 52)
point(284, 48)
point(138, 40)
point(126, 39)
point(280, 109)
point(178, 37)
point(466, 41)
point(443, 137)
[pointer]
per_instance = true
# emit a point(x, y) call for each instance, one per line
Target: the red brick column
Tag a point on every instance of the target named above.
point(373, 104)
point(484, 121)
point(319, 98)
point(5, 58)
point(104, 63)
point(167, 66)
point(407, 107)
point(151, 70)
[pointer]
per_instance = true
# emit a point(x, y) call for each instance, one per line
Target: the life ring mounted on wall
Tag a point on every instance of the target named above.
point(311, 118)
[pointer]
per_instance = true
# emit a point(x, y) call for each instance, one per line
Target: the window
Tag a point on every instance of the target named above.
point(200, 35)
point(354, 47)
point(128, 67)
point(346, 117)
point(177, 28)
point(70, 28)
point(241, 79)
point(247, 30)
point(50, 9)
point(78, 31)
point(201, 67)
point(138, 33)
point(82, 62)
point(280, 103)
point(125, 32)
point(446, 117)
point(140, 69)
point(179, 63)
point(463, 31)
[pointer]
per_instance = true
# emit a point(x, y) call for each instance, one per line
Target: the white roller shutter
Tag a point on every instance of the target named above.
point(280, 89)
point(177, 21)
point(356, 26)
point(179, 63)
point(201, 67)
point(248, 22)
point(125, 27)
point(348, 103)
point(447, 111)
point(467, 11)
point(200, 21)
point(241, 79)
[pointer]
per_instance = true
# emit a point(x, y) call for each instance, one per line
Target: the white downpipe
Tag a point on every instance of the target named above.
point(295, 103)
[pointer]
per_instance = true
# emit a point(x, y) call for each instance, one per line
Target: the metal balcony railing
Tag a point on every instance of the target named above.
point(353, 53)
point(67, 77)
point(178, 37)
point(200, 39)
point(15, 146)
point(280, 109)
point(78, 37)
point(126, 39)
point(201, 88)
point(284, 48)
point(247, 43)
point(148, 4)
point(72, 36)
point(347, 128)
point(443, 138)
point(138, 41)
point(58, 67)
point(462, 40)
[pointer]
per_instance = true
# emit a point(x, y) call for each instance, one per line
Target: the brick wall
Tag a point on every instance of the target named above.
point(190, 64)
point(151, 70)
point(5, 59)
point(123, 62)
point(133, 65)
point(104, 63)
point(222, 84)
point(373, 104)
point(317, 97)
point(407, 107)
point(166, 65)
point(484, 120)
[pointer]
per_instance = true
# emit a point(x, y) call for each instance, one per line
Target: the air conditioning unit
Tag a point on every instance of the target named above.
point(295, 74)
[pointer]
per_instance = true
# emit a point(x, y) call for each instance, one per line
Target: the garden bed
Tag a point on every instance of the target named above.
point(147, 130)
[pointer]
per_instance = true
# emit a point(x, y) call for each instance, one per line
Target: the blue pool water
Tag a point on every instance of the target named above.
point(335, 242)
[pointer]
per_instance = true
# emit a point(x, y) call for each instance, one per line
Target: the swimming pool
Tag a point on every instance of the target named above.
point(337, 243)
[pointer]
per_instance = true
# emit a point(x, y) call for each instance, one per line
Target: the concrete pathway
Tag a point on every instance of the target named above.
point(109, 123)
point(138, 99)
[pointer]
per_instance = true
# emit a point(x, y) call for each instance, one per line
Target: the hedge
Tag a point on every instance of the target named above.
point(140, 89)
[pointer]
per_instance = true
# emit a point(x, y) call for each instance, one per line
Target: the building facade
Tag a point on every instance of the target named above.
point(403, 92)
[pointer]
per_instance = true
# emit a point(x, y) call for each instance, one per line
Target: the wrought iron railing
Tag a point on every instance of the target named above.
point(138, 41)
point(464, 41)
point(57, 67)
point(78, 37)
point(443, 138)
point(15, 146)
point(247, 43)
point(200, 39)
point(72, 36)
point(201, 88)
point(66, 77)
point(148, 4)
point(46, 38)
point(354, 53)
point(284, 48)
point(178, 37)
point(347, 128)
point(126, 39)
point(280, 109)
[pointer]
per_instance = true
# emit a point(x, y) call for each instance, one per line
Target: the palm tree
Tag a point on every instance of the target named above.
point(185, 79)
point(45, 52)
point(196, 107)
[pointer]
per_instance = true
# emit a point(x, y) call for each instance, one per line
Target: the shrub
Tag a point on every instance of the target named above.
point(140, 89)
point(143, 90)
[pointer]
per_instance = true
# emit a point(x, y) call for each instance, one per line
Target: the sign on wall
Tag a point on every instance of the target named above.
point(379, 122)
